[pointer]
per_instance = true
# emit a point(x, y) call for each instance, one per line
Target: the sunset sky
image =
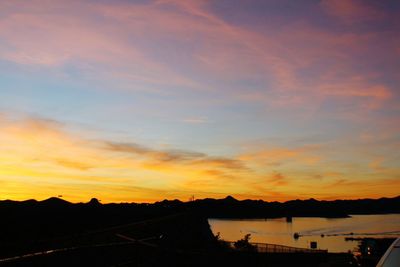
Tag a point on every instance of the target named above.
point(139, 101)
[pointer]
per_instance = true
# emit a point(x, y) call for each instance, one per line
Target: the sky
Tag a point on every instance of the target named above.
point(139, 101)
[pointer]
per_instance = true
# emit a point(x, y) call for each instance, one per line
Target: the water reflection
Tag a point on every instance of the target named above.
point(328, 233)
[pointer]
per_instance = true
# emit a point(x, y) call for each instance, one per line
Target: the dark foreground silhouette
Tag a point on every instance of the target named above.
point(168, 233)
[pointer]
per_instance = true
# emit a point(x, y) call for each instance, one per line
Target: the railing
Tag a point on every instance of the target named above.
point(273, 248)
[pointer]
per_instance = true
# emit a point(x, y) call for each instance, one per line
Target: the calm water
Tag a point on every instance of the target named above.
point(278, 231)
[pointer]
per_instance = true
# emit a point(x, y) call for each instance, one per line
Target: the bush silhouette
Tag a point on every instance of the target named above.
point(244, 244)
point(222, 243)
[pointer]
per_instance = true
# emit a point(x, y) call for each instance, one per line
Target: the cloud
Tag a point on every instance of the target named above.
point(351, 11)
point(196, 120)
point(144, 46)
point(277, 179)
point(276, 156)
point(39, 151)
point(219, 174)
point(32, 40)
point(41, 156)
point(174, 156)
point(74, 164)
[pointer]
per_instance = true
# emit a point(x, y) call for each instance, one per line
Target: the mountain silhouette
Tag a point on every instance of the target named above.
point(177, 233)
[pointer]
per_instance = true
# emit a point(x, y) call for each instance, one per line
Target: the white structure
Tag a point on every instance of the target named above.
point(391, 258)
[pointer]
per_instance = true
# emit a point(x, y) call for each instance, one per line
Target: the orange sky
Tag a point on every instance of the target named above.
point(41, 159)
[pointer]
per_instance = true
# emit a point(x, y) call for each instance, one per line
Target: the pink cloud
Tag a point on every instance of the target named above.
point(184, 43)
point(303, 47)
point(43, 37)
point(351, 10)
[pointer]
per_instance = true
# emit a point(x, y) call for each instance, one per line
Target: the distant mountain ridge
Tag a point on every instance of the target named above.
point(31, 225)
point(230, 207)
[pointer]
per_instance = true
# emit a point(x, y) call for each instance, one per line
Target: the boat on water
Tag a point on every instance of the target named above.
point(391, 258)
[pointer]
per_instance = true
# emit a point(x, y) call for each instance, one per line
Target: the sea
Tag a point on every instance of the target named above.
point(333, 234)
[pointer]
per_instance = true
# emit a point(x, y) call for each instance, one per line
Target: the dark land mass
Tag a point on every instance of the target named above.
point(229, 207)
point(166, 233)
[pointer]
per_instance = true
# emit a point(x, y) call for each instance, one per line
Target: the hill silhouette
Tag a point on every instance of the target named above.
point(228, 207)
point(96, 234)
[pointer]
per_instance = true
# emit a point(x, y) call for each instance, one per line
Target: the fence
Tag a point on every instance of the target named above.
point(273, 248)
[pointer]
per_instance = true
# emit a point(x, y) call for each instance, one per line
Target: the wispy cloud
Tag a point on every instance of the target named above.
point(276, 156)
point(120, 40)
point(40, 157)
point(44, 151)
point(196, 120)
point(174, 156)
point(277, 179)
point(351, 11)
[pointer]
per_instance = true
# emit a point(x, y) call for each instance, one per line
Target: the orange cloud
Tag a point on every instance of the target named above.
point(41, 158)
point(74, 164)
point(175, 156)
point(276, 156)
point(43, 153)
point(278, 179)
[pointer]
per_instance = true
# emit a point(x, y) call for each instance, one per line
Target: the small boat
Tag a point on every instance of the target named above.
point(391, 258)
